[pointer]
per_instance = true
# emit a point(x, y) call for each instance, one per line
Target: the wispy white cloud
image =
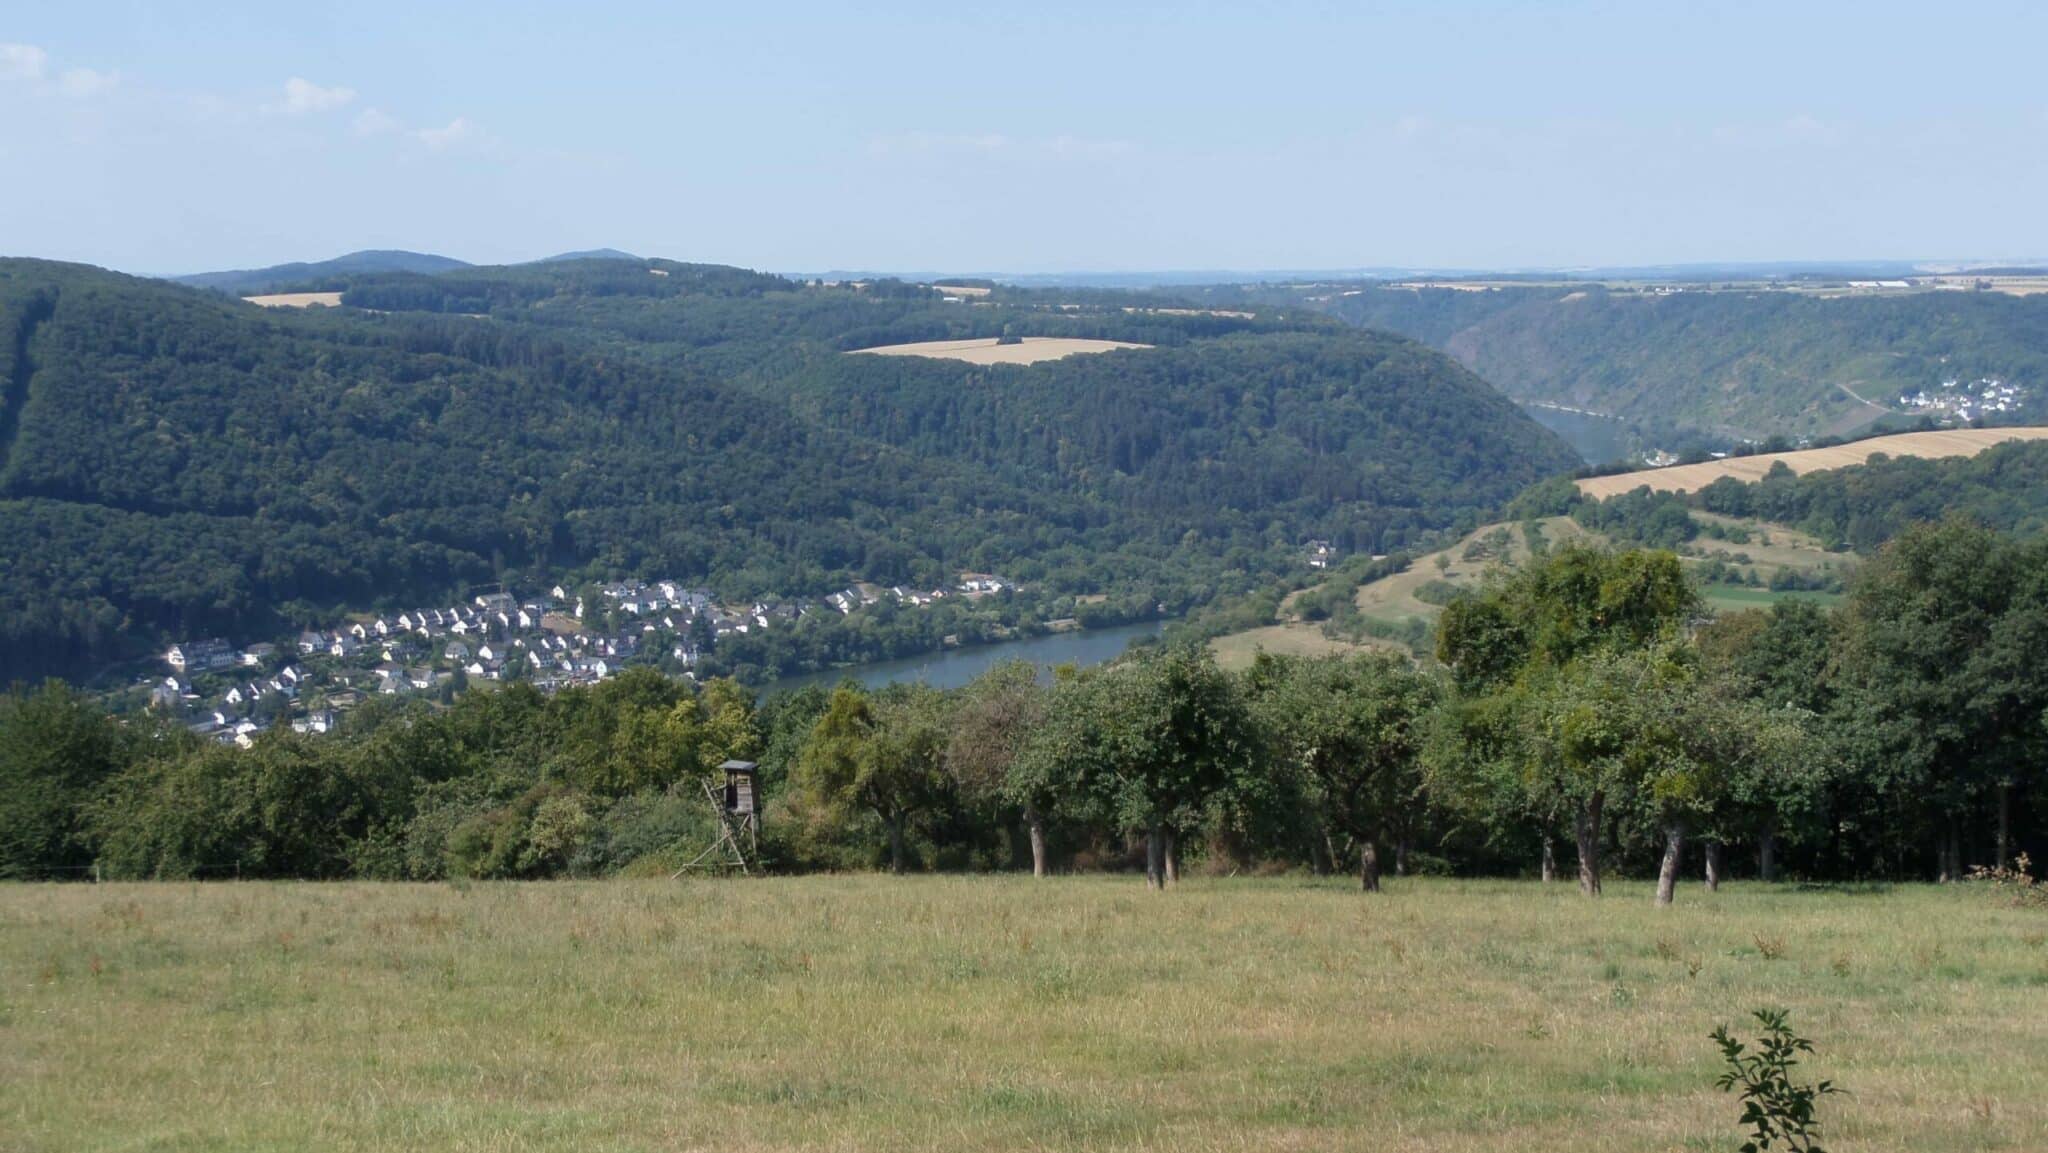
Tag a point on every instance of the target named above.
point(84, 83)
point(458, 130)
point(373, 122)
point(302, 96)
point(23, 60)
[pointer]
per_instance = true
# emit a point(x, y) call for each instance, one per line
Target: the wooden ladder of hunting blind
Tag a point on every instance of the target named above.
point(737, 807)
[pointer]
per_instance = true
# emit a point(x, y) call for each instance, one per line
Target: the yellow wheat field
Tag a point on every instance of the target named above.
point(1686, 477)
point(296, 299)
point(986, 351)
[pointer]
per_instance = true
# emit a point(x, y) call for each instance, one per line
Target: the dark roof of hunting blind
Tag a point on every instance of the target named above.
point(737, 766)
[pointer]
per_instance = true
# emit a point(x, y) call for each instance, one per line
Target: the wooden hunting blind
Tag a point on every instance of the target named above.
point(741, 779)
point(738, 809)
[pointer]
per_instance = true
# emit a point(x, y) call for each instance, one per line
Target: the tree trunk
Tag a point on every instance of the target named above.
point(1034, 822)
point(1949, 856)
point(1330, 847)
point(2004, 821)
point(1369, 865)
point(895, 824)
point(1155, 858)
point(1712, 851)
point(1667, 876)
point(1401, 857)
point(1171, 856)
point(1767, 854)
point(1549, 860)
point(1586, 830)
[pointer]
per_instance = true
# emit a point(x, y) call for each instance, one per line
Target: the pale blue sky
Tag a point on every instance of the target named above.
point(1025, 137)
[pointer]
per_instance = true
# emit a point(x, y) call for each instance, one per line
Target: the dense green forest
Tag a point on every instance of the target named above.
point(174, 463)
point(1581, 707)
point(1731, 363)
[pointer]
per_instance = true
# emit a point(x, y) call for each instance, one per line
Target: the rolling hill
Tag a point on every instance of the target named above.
point(248, 281)
point(175, 463)
point(1748, 364)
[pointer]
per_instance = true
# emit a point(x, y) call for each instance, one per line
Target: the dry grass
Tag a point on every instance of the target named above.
point(997, 1014)
point(1395, 600)
point(296, 300)
point(1686, 477)
point(1295, 638)
point(987, 351)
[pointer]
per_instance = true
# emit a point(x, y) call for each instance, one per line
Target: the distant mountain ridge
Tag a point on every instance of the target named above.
point(588, 254)
point(321, 275)
point(243, 281)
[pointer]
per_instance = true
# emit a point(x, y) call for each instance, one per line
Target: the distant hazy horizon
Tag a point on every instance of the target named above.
point(1057, 139)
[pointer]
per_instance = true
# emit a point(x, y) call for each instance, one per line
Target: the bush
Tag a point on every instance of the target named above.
point(1777, 1110)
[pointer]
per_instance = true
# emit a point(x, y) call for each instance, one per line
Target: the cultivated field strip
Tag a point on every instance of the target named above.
point(1687, 477)
point(986, 351)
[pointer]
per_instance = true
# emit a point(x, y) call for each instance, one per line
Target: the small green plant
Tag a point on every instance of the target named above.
point(1777, 1110)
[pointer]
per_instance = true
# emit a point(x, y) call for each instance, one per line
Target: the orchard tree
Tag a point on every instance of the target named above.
point(883, 754)
point(1353, 730)
point(985, 754)
point(1155, 740)
point(1549, 661)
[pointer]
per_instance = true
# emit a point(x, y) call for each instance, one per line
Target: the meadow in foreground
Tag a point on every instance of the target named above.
point(998, 1013)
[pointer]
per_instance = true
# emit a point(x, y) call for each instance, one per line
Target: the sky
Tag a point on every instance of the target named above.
point(1028, 138)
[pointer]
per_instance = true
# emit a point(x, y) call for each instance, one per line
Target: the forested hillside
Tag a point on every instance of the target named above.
point(1744, 364)
point(321, 274)
point(173, 463)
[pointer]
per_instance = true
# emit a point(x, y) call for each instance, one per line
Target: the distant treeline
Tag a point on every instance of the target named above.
point(1580, 709)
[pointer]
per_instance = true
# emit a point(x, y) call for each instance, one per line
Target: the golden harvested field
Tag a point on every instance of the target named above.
point(296, 299)
point(1687, 477)
point(986, 351)
point(964, 289)
point(1235, 651)
point(999, 1013)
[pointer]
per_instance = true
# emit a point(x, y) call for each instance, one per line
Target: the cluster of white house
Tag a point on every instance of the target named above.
point(541, 639)
point(1982, 397)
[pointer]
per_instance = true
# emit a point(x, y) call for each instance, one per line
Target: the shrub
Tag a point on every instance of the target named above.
point(2017, 882)
point(1777, 1110)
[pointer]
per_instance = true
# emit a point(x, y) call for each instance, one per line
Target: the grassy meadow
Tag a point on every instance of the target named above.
point(998, 1013)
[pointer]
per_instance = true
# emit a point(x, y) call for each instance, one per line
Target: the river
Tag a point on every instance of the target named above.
point(952, 668)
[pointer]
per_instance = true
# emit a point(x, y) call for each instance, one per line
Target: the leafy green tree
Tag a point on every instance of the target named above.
point(1353, 728)
point(1560, 652)
point(882, 754)
point(1941, 682)
point(991, 729)
point(56, 749)
point(1156, 740)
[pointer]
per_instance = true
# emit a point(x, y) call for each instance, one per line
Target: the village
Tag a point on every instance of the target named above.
point(1957, 402)
point(550, 640)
